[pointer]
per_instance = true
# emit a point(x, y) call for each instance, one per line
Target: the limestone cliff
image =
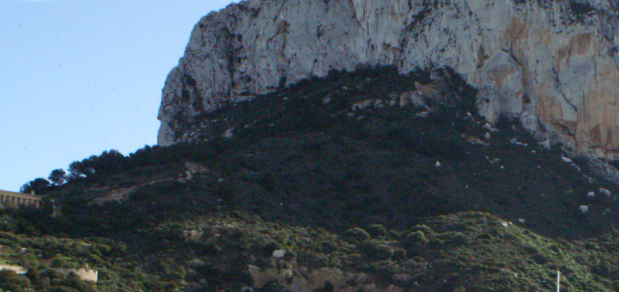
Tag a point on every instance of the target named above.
point(551, 64)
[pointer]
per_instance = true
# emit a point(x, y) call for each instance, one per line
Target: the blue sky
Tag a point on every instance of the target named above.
point(80, 77)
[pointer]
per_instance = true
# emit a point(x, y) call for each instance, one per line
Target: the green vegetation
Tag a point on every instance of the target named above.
point(358, 191)
point(37, 186)
point(57, 177)
point(576, 10)
point(580, 10)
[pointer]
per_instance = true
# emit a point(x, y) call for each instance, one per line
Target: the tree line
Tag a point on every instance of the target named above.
point(112, 162)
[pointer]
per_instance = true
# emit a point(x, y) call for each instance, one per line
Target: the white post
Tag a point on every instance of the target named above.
point(558, 281)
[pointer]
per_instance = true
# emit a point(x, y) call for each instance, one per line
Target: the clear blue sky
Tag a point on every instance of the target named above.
point(80, 77)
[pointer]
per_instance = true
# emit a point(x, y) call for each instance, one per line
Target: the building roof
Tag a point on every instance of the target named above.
point(30, 196)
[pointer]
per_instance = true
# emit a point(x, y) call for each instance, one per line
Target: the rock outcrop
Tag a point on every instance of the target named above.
point(551, 64)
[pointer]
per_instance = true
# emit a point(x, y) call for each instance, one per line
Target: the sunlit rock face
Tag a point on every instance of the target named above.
point(551, 64)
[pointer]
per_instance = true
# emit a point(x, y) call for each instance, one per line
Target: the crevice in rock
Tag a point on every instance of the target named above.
point(560, 88)
point(419, 17)
point(355, 16)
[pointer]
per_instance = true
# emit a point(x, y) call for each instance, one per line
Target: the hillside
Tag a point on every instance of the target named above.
point(368, 181)
point(552, 65)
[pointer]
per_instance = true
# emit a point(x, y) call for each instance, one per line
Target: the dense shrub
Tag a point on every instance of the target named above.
point(377, 250)
point(356, 235)
point(10, 281)
point(580, 9)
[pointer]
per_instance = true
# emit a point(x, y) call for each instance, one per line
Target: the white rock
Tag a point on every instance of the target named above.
point(584, 209)
point(487, 136)
point(545, 144)
point(521, 220)
point(605, 192)
point(489, 127)
point(437, 164)
point(194, 263)
point(565, 159)
point(423, 114)
point(417, 99)
point(279, 253)
point(591, 194)
point(516, 142)
point(228, 133)
point(361, 105)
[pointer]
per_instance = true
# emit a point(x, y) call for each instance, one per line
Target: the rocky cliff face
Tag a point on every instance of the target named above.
point(551, 64)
